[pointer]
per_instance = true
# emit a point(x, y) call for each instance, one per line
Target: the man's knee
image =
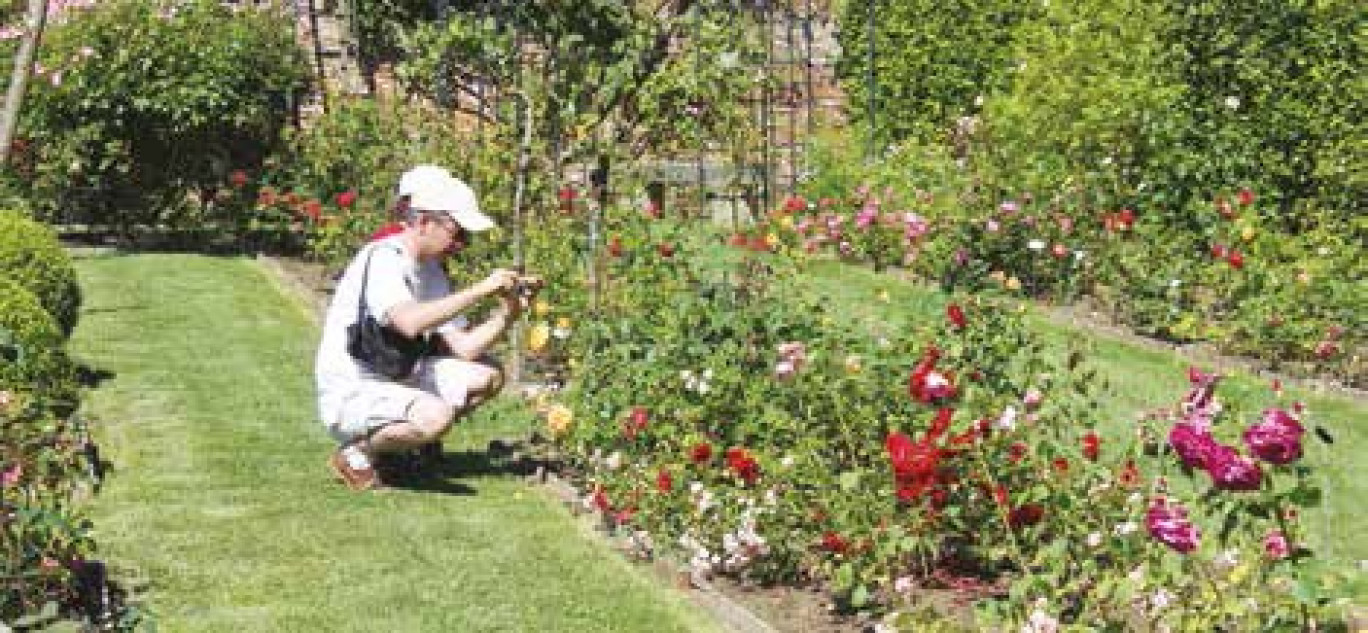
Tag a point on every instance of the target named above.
point(493, 381)
point(484, 379)
point(431, 418)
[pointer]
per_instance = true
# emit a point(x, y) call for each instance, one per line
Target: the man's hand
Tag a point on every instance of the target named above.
point(512, 306)
point(528, 286)
point(502, 280)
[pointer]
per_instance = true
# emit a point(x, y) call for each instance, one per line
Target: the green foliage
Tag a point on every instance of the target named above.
point(34, 361)
point(608, 76)
point(1090, 77)
point(932, 61)
point(141, 101)
point(31, 256)
point(44, 539)
point(1272, 98)
point(1165, 101)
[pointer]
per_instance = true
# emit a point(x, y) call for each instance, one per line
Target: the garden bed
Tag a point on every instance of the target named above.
point(744, 608)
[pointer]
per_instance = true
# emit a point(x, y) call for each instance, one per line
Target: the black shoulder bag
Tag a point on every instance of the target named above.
point(383, 349)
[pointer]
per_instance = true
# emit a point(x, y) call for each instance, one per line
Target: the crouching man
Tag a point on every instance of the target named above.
point(403, 286)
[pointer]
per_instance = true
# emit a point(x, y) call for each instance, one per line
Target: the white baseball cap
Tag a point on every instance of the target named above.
point(420, 177)
point(431, 188)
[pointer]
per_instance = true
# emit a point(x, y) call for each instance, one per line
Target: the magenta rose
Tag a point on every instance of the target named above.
point(1168, 524)
point(1192, 444)
point(1275, 545)
point(1277, 439)
point(1232, 471)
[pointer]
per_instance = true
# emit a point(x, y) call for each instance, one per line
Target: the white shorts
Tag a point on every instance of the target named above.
point(375, 403)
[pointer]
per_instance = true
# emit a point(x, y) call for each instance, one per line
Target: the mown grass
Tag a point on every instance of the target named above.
point(220, 504)
point(1139, 379)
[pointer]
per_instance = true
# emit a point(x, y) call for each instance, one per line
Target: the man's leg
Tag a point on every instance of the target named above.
point(428, 418)
point(463, 385)
point(384, 417)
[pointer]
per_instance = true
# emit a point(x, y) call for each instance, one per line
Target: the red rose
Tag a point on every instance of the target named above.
point(956, 316)
point(1092, 446)
point(636, 422)
point(832, 542)
point(1246, 197)
point(701, 453)
point(345, 199)
point(1025, 515)
point(313, 209)
point(1235, 259)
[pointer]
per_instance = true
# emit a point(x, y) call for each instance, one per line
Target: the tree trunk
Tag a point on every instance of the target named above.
point(23, 67)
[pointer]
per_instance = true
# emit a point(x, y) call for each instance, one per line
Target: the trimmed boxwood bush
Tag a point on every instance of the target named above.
point(31, 257)
point(32, 359)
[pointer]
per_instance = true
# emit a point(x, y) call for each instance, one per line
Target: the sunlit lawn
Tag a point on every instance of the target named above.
point(220, 501)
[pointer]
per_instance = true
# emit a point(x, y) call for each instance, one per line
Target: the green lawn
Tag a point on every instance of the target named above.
point(1142, 379)
point(220, 501)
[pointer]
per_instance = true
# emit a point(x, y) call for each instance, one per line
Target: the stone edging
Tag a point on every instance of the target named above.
point(699, 591)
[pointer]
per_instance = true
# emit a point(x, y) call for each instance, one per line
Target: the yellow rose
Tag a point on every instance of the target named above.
point(1013, 283)
point(786, 221)
point(883, 296)
point(998, 276)
point(558, 420)
point(538, 337)
point(1247, 233)
point(772, 239)
point(563, 323)
point(540, 308)
point(852, 364)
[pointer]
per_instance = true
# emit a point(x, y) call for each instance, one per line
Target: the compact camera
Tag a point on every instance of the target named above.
point(527, 286)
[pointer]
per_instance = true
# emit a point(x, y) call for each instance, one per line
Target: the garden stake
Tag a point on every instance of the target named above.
point(519, 252)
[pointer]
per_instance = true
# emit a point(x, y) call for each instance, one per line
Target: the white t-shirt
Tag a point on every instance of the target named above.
point(396, 276)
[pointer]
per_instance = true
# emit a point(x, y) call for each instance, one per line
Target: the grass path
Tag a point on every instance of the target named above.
point(220, 501)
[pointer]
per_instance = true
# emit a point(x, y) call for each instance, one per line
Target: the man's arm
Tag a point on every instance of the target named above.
point(471, 344)
point(412, 318)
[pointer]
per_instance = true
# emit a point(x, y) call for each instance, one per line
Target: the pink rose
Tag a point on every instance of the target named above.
point(1275, 545)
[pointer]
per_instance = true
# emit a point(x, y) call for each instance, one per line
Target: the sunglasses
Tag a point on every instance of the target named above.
point(452, 226)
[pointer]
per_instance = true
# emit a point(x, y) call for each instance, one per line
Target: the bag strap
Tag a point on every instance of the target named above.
point(361, 310)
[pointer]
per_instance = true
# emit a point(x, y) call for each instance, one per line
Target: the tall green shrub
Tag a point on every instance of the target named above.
point(31, 257)
point(1274, 100)
point(32, 359)
point(1091, 75)
point(932, 59)
point(140, 100)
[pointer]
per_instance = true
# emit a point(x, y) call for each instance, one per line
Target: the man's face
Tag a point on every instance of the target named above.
point(454, 237)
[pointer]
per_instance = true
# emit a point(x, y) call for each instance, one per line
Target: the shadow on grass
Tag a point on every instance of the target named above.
point(91, 377)
point(441, 474)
